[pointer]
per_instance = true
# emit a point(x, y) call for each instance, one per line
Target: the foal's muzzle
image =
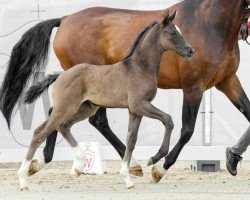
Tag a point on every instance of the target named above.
point(189, 52)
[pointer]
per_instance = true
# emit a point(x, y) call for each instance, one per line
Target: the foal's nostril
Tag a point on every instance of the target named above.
point(191, 51)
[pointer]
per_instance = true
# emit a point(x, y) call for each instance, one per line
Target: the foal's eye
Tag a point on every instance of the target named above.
point(173, 33)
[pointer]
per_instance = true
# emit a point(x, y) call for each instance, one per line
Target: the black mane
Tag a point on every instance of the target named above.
point(137, 40)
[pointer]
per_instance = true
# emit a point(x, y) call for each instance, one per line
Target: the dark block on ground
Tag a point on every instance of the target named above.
point(205, 165)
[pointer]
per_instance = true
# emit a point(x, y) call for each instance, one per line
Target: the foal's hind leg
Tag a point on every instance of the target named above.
point(85, 111)
point(39, 136)
point(48, 151)
point(134, 123)
point(41, 133)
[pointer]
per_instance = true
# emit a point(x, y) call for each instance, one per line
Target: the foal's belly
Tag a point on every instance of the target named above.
point(109, 100)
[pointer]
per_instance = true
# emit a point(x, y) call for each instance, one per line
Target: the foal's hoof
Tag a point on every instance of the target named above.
point(129, 186)
point(25, 189)
point(34, 167)
point(150, 162)
point(156, 174)
point(136, 171)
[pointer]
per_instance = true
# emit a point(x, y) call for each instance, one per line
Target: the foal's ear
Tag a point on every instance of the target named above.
point(165, 17)
point(171, 18)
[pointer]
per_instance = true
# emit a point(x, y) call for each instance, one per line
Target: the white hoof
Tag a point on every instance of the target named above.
point(129, 184)
point(23, 182)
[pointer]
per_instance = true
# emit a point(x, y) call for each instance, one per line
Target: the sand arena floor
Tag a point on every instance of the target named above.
point(55, 182)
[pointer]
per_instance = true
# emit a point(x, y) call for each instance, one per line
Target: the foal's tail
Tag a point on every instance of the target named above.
point(36, 90)
point(28, 57)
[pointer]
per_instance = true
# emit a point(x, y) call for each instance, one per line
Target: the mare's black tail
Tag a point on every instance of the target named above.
point(28, 57)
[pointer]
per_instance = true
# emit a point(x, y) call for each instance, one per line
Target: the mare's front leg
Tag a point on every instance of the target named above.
point(232, 88)
point(134, 123)
point(100, 122)
point(48, 150)
point(192, 99)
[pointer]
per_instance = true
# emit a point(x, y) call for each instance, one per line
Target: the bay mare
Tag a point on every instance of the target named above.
point(104, 36)
point(132, 83)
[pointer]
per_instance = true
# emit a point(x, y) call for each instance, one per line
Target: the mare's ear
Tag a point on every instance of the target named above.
point(165, 17)
point(171, 18)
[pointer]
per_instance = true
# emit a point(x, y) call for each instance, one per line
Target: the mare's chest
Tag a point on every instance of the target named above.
point(218, 70)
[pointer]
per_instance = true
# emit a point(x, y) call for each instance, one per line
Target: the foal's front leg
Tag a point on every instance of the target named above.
point(100, 122)
point(148, 110)
point(134, 123)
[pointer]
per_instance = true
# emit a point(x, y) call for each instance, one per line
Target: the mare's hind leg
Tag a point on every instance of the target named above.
point(100, 122)
point(134, 123)
point(85, 111)
point(232, 88)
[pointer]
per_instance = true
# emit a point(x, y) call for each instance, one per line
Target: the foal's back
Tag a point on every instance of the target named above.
point(102, 85)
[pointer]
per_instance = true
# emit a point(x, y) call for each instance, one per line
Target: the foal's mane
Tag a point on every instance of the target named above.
point(138, 39)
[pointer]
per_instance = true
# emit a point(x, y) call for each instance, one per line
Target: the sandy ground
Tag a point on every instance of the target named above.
point(55, 182)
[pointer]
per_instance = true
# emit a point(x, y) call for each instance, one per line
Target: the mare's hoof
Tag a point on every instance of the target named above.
point(136, 171)
point(34, 167)
point(156, 174)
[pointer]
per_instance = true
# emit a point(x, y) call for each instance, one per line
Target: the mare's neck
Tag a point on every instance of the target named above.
point(148, 53)
point(226, 17)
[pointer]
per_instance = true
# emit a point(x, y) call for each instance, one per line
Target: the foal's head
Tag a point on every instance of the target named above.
point(171, 39)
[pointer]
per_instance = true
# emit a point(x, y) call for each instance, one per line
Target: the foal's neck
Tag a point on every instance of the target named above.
point(148, 53)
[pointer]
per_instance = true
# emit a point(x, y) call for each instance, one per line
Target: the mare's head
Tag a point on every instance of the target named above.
point(171, 38)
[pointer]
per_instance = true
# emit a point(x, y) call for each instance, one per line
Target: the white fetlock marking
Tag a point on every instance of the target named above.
point(23, 174)
point(80, 158)
point(125, 173)
point(134, 162)
point(161, 169)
